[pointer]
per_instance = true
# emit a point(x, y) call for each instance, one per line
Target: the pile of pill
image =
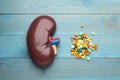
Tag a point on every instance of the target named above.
point(82, 46)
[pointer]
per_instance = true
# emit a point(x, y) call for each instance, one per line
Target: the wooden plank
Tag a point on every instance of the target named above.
point(55, 6)
point(24, 69)
point(15, 47)
point(66, 24)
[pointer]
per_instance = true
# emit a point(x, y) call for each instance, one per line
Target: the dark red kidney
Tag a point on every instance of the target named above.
point(38, 45)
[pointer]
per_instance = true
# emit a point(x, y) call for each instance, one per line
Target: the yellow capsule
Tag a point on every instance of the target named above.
point(76, 34)
point(73, 42)
point(73, 51)
point(76, 53)
point(86, 46)
point(92, 48)
point(82, 26)
point(79, 41)
point(83, 56)
point(78, 47)
point(90, 39)
point(83, 45)
point(78, 44)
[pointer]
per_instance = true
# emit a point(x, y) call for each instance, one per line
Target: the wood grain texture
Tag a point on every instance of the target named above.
point(66, 24)
point(24, 69)
point(61, 6)
point(101, 17)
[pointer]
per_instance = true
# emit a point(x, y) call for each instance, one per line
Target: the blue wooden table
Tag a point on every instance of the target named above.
point(101, 17)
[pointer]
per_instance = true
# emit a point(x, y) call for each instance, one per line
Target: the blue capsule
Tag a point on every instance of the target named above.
point(89, 50)
point(87, 58)
point(80, 33)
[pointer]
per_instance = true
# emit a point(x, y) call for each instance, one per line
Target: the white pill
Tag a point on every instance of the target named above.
point(72, 46)
point(91, 43)
point(93, 33)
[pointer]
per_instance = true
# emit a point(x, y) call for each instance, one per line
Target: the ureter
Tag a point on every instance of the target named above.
point(55, 49)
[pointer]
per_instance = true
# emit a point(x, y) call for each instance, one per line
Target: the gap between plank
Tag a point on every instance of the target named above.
point(59, 13)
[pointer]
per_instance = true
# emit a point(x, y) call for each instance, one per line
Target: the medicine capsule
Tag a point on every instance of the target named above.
point(82, 46)
point(96, 47)
point(88, 58)
point(84, 35)
point(82, 26)
point(76, 35)
point(93, 33)
point(77, 56)
point(91, 44)
point(90, 39)
point(80, 33)
point(83, 56)
point(92, 48)
point(89, 50)
point(72, 46)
